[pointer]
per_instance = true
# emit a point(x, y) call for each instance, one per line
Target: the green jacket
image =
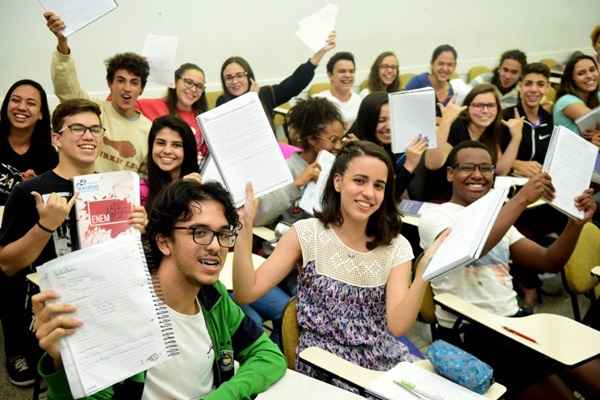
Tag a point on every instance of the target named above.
point(234, 336)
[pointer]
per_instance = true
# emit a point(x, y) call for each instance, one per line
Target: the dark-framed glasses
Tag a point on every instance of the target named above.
point(204, 236)
point(238, 76)
point(79, 129)
point(468, 168)
point(189, 84)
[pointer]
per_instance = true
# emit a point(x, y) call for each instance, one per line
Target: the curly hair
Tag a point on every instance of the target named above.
point(130, 62)
point(308, 117)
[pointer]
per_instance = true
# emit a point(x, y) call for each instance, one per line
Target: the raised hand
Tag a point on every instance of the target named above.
point(537, 186)
point(586, 203)
point(138, 218)
point(247, 212)
point(329, 44)
point(310, 173)
point(54, 211)
point(527, 168)
point(451, 111)
point(414, 152)
point(515, 125)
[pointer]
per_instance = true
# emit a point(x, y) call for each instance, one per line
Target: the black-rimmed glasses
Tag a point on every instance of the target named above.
point(204, 236)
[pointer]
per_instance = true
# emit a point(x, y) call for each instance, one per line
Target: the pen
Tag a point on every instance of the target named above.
point(511, 330)
point(418, 393)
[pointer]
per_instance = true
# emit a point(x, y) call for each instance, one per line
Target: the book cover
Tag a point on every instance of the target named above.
point(104, 204)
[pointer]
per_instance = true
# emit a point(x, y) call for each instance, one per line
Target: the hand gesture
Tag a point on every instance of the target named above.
point(310, 173)
point(515, 125)
point(330, 44)
point(593, 135)
point(54, 212)
point(52, 322)
point(55, 24)
point(527, 168)
point(247, 212)
point(429, 252)
point(254, 87)
point(586, 203)
point(349, 137)
point(193, 177)
point(27, 175)
point(537, 186)
point(414, 152)
point(451, 111)
point(138, 218)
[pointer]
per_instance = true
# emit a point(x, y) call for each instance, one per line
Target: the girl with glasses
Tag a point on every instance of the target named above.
point(384, 75)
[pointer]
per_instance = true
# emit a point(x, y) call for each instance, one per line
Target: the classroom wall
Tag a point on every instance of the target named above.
point(264, 32)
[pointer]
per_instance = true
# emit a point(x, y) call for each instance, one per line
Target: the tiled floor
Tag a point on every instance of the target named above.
point(419, 335)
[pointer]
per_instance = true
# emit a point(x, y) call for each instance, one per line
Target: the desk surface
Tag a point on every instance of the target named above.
point(596, 271)
point(295, 385)
point(560, 338)
point(264, 233)
point(362, 376)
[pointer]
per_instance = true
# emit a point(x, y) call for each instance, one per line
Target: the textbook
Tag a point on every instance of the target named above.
point(467, 235)
point(126, 327)
point(407, 381)
point(242, 144)
point(104, 203)
point(590, 120)
point(412, 114)
point(570, 162)
point(313, 192)
point(78, 14)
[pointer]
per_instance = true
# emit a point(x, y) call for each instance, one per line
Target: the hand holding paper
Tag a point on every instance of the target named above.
point(76, 14)
point(314, 30)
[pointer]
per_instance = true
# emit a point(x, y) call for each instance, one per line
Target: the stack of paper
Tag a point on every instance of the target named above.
point(424, 385)
point(243, 147)
point(412, 114)
point(468, 235)
point(126, 327)
point(77, 14)
point(161, 52)
point(313, 192)
point(314, 30)
point(570, 162)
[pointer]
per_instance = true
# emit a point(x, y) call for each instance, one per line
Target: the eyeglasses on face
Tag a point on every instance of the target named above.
point(238, 76)
point(79, 129)
point(469, 168)
point(388, 66)
point(189, 84)
point(205, 236)
point(483, 106)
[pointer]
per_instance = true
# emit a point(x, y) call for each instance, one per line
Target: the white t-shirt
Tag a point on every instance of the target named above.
point(348, 109)
point(486, 283)
point(188, 375)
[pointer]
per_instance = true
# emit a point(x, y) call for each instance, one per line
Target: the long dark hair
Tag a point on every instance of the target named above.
point(245, 66)
point(516, 55)
point(41, 132)
point(199, 105)
point(366, 121)
point(383, 224)
point(375, 83)
point(491, 134)
point(157, 178)
point(568, 85)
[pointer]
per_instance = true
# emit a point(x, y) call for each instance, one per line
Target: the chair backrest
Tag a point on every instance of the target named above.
point(211, 98)
point(318, 88)
point(585, 256)
point(476, 71)
point(550, 62)
point(427, 310)
point(404, 78)
point(290, 332)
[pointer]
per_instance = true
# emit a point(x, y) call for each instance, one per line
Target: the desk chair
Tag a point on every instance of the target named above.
point(475, 71)
point(550, 62)
point(290, 332)
point(576, 276)
point(404, 78)
point(318, 88)
point(280, 119)
point(211, 98)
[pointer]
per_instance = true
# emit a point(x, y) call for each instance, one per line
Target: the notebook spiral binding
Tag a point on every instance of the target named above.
point(162, 314)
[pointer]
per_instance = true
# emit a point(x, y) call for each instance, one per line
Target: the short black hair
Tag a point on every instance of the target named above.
point(514, 54)
point(174, 204)
point(466, 144)
point(537, 68)
point(72, 107)
point(130, 62)
point(340, 55)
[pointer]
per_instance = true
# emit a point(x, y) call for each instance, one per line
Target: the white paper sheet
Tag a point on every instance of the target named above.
point(314, 30)
point(161, 53)
point(313, 192)
point(77, 14)
point(412, 113)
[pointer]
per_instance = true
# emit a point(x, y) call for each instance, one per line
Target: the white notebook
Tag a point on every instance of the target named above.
point(126, 327)
point(590, 120)
point(468, 235)
point(570, 162)
point(313, 192)
point(430, 385)
point(244, 148)
point(412, 114)
point(78, 14)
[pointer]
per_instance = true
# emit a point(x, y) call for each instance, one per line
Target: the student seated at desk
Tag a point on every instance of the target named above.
point(488, 283)
point(191, 228)
point(354, 286)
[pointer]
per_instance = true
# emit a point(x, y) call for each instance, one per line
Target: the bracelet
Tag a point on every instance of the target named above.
point(42, 227)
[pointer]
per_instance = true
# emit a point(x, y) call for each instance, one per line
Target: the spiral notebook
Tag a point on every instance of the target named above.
point(126, 326)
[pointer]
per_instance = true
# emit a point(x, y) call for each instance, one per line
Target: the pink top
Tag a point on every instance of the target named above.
point(144, 191)
point(154, 108)
point(288, 150)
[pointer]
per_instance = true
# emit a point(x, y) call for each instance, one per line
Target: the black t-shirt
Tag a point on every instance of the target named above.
point(20, 215)
point(536, 138)
point(38, 158)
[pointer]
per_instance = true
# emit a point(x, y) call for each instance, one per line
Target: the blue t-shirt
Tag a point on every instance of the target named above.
point(560, 118)
point(422, 81)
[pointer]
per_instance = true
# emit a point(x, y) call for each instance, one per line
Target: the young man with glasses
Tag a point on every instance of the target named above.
point(487, 282)
point(191, 229)
point(39, 220)
point(126, 137)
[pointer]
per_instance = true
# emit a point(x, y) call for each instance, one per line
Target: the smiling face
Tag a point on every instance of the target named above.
point(532, 88)
point(443, 66)
point(196, 263)
point(468, 181)
point(125, 89)
point(509, 72)
point(24, 107)
point(342, 78)
point(78, 150)
point(361, 187)
point(388, 70)
point(189, 88)
point(483, 110)
point(585, 76)
point(167, 151)
point(236, 79)
point(329, 138)
point(382, 130)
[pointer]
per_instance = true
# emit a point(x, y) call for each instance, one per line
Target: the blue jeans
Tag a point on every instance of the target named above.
point(268, 307)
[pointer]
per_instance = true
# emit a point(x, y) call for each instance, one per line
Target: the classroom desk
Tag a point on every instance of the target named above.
point(360, 376)
point(295, 385)
point(596, 271)
point(264, 233)
point(562, 339)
